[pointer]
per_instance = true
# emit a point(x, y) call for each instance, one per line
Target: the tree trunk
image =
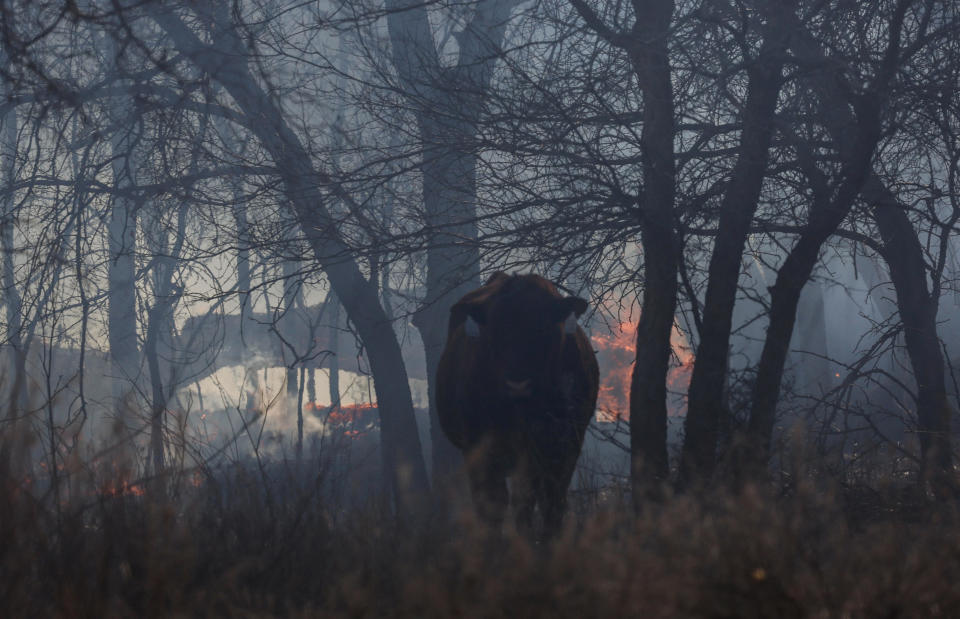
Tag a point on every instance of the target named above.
point(448, 168)
point(12, 443)
point(649, 54)
point(736, 214)
point(11, 295)
point(244, 277)
point(122, 311)
point(333, 309)
point(156, 242)
point(452, 271)
point(121, 274)
point(157, 320)
point(293, 401)
point(918, 313)
point(904, 256)
point(856, 141)
point(751, 457)
point(160, 327)
point(312, 388)
point(856, 137)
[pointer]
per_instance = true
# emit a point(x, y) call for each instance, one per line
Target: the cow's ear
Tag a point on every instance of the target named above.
point(567, 311)
point(460, 312)
point(478, 311)
point(476, 316)
point(570, 306)
point(497, 277)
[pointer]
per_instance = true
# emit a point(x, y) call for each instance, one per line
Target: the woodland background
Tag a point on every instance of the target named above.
point(231, 232)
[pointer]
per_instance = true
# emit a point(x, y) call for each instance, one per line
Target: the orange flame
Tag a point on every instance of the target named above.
point(617, 357)
point(347, 419)
point(121, 487)
point(348, 413)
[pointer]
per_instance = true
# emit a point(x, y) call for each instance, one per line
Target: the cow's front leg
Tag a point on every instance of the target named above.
point(523, 498)
point(552, 497)
point(488, 487)
point(559, 459)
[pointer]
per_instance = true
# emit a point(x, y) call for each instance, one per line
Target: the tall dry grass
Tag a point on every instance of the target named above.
point(269, 538)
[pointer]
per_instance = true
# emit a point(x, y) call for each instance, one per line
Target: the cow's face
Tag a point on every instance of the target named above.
point(523, 328)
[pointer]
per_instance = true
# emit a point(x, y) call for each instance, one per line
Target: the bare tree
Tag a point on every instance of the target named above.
point(225, 62)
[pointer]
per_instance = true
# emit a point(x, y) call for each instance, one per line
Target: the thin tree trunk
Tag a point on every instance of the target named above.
point(291, 291)
point(300, 386)
point(11, 295)
point(151, 353)
point(158, 320)
point(333, 380)
point(12, 441)
point(163, 378)
point(312, 388)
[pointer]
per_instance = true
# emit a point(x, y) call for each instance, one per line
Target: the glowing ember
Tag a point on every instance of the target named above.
point(347, 419)
point(121, 487)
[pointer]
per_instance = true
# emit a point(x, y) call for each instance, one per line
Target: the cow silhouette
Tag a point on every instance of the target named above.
point(516, 388)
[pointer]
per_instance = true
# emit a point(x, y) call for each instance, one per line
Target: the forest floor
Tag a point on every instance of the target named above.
point(236, 545)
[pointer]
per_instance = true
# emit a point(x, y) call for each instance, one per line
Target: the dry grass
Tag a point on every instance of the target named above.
point(241, 546)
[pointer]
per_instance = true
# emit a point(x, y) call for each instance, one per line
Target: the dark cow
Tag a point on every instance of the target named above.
point(516, 388)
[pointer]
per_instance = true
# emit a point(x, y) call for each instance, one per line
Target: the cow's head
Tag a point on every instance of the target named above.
point(523, 325)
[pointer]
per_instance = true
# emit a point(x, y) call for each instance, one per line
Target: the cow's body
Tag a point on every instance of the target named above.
point(516, 388)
